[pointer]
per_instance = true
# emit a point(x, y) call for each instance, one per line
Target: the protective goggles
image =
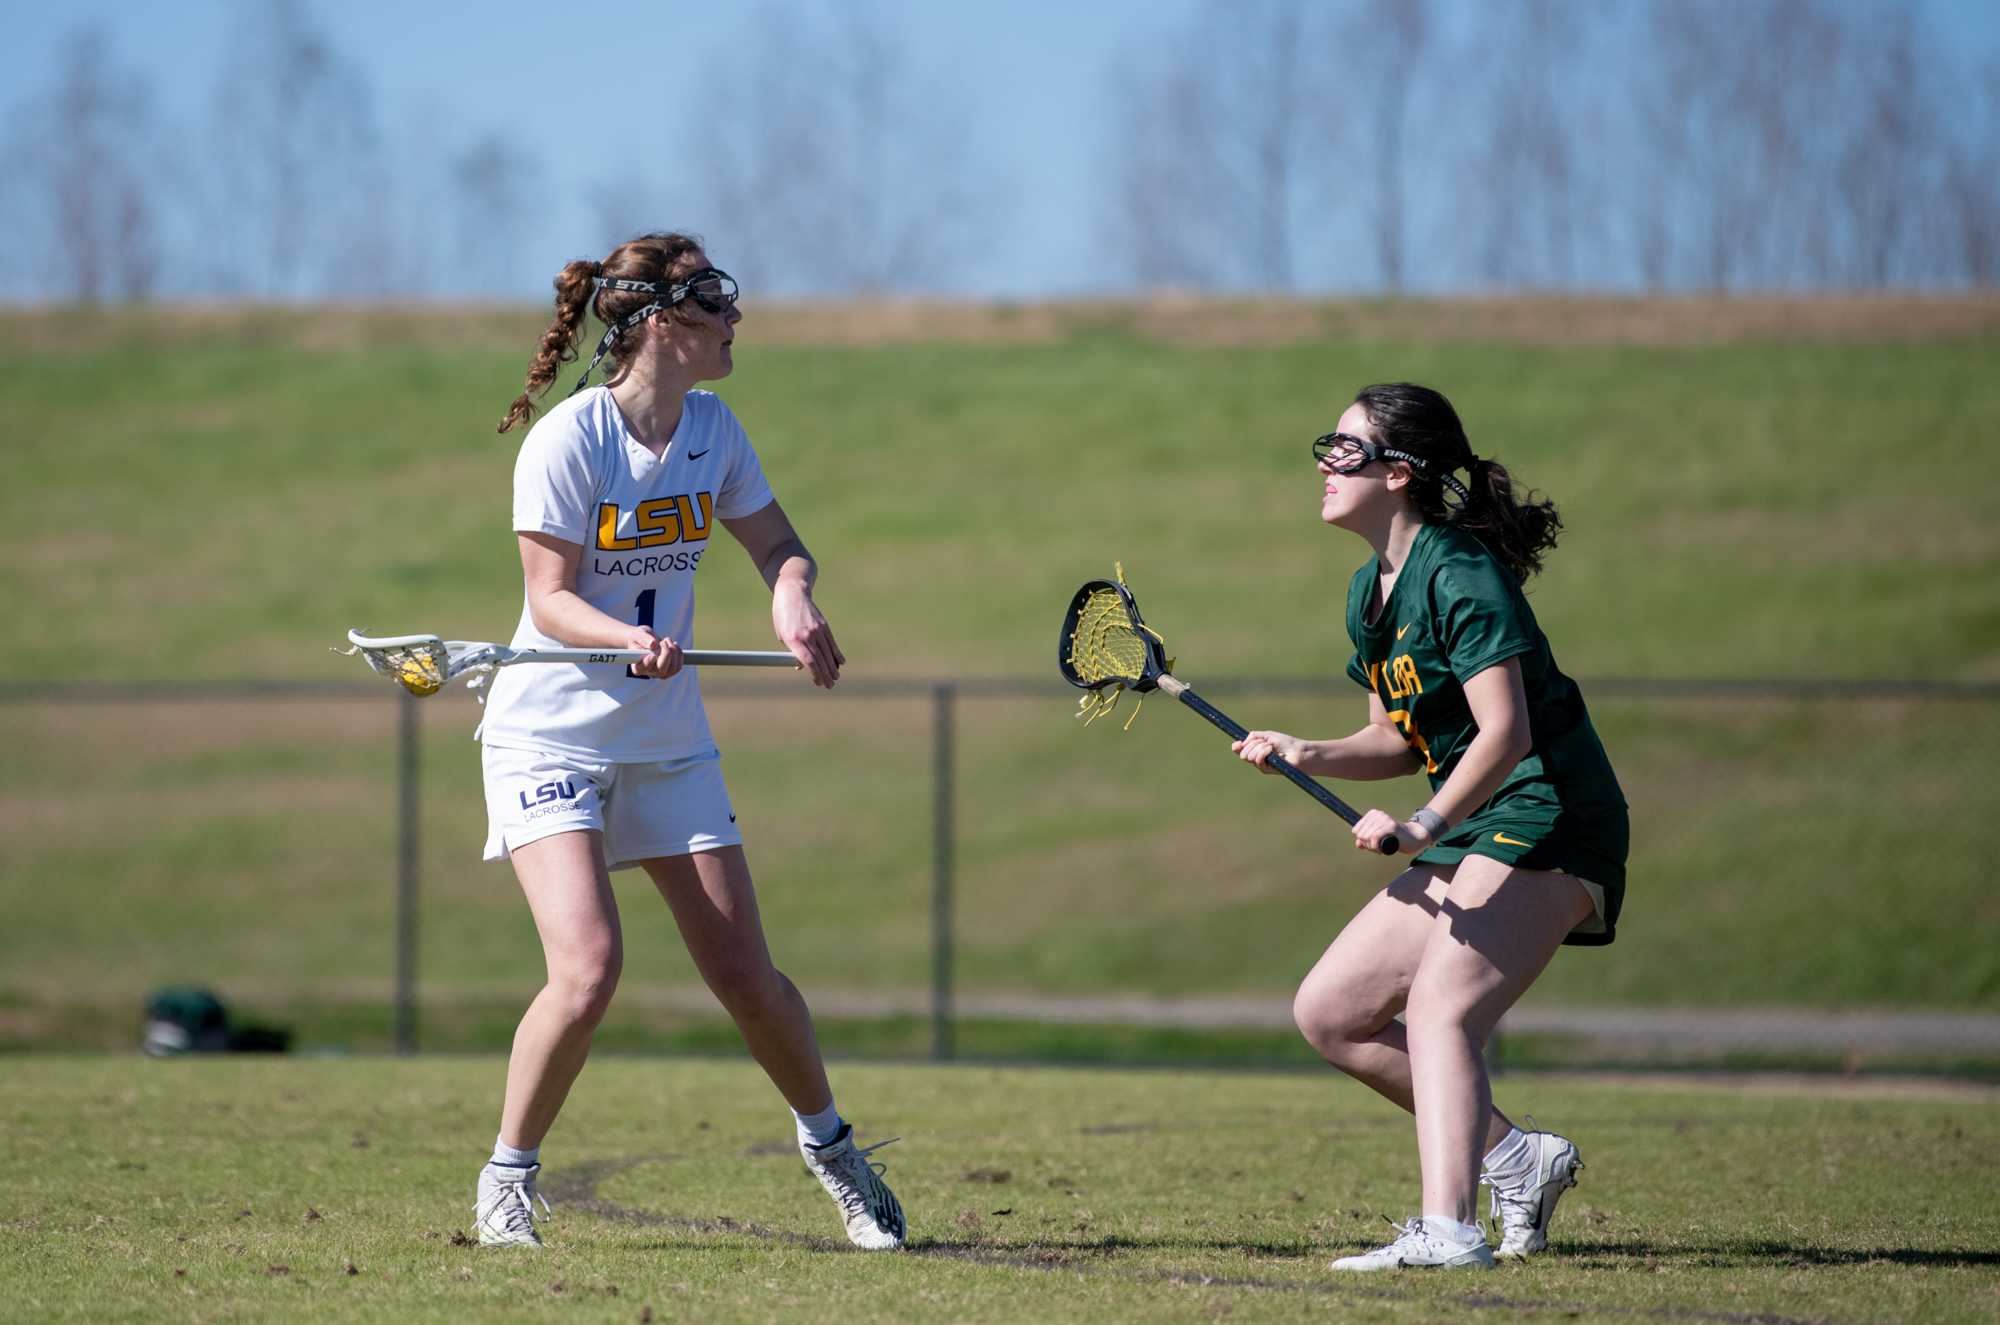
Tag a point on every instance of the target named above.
point(1344, 453)
point(711, 288)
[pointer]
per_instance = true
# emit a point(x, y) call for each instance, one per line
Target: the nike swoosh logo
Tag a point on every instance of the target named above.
point(1502, 837)
point(732, 818)
point(696, 455)
point(1406, 626)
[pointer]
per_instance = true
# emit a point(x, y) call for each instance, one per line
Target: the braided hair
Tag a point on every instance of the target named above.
point(1416, 419)
point(649, 259)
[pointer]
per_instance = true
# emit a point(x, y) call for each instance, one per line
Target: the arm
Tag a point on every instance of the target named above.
point(549, 565)
point(1499, 703)
point(781, 558)
point(1375, 752)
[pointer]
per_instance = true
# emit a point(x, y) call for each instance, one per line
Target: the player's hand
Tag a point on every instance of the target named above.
point(1258, 747)
point(663, 657)
point(1378, 824)
point(804, 630)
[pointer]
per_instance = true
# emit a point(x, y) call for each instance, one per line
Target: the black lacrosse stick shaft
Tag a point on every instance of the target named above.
point(1305, 783)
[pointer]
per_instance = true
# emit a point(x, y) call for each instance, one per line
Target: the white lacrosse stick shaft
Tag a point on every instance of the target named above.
point(472, 655)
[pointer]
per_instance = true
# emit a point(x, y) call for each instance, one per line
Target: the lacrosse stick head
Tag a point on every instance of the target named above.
point(419, 663)
point(1106, 648)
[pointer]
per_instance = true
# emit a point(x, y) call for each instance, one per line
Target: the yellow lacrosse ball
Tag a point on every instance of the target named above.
point(418, 676)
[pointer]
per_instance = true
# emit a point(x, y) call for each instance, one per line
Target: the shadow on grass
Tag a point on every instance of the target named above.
point(575, 1188)
point(1767, 1255)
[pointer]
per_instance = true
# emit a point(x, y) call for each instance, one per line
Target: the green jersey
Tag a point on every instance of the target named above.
point(1454, 612)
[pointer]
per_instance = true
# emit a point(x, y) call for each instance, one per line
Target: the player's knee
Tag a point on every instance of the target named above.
point(1437, 1011)
point(586, 982)
point(748, 990)
point(1331, 1024)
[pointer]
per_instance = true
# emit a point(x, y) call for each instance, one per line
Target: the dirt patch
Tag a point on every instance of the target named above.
point(1182, 320)
point(340, 328)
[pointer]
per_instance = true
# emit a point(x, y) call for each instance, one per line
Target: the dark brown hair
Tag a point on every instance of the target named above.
point(651, 258)
point(1416, 419)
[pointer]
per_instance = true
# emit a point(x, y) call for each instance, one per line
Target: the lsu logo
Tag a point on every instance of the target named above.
point(547, 792)
point(657, 522)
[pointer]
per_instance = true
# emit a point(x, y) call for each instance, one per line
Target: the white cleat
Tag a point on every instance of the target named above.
point(505, 1214)
point(1417, 1247)
point(1523, 1208)
point(873, 1215)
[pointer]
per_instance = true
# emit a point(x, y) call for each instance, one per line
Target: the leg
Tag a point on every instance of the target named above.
point(1496, 931)
point(1347, 1005)
point(570, 894)
point(715, 906)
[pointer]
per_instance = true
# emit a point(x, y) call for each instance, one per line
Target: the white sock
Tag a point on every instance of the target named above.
point(1465, 1235)
point(1511, 1159)
point(507, 1156)
point(819, 1129)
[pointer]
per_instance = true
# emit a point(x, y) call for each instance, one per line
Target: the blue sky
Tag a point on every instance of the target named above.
point(1032, 76)
point(551, 79)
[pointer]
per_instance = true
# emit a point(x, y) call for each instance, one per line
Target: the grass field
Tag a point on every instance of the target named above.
point(225, 497)
point(238, 496)
point(310, 1190)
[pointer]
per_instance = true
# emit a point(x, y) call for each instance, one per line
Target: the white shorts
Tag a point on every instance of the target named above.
point(669, 808)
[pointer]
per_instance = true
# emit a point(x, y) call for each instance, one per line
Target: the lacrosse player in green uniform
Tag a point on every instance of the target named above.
point(1520, 849)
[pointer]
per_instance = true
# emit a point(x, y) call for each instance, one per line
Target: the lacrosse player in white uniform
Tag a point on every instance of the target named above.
point(591, 769)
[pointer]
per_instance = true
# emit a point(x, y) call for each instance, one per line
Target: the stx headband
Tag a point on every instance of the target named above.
point(1354, 453)
point(720, 293)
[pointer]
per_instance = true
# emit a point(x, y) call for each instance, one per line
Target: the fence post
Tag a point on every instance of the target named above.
point(406, 873)
point(941, 871)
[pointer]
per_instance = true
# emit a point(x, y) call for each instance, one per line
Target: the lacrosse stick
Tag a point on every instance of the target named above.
point(1105, 646)
point(421, 664)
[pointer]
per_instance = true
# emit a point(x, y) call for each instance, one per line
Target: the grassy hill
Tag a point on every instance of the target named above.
point(1747, 492)
point(238, 491)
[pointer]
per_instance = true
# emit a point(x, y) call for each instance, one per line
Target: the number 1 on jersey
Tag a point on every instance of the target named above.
point(645, 618)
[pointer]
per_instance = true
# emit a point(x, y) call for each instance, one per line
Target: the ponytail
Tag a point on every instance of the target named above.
point(574, 286)
point(1421, 422)
point(647, 259)
point(1516, 531)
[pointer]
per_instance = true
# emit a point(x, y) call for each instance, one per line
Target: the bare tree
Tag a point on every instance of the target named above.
point(297, 206)
point(1880, 176)
point(490, 181)
point(1394, 39)
point(1263, 111)
point(79, 158)
point(1970, 212)
point(838, 169)
point(1169, 222)
point(1528, 155)
point(1214, 147)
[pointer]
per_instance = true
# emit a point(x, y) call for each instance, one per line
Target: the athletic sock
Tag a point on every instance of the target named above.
point(508, 1157)
point(1511, 1160)
point(1465, 1235)
point(818, 1129)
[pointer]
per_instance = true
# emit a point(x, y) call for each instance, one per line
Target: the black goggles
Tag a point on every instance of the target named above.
point(1344, 453)
point(711, 288)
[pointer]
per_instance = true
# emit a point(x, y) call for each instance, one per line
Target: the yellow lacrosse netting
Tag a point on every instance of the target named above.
point(1106, 652)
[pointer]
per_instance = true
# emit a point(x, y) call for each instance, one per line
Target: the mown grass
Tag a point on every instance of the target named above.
point(227, 504)
point(304, 1190)
point(1751, 509)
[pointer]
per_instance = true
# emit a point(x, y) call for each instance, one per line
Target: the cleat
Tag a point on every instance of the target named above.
point(505, 1214)
point(1523, 1208)
point(873, 1215)
point(1416, 1248)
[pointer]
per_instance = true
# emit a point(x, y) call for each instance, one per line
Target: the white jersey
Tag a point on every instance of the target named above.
point(644, 522)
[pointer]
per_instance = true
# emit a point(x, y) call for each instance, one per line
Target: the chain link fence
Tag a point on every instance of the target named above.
point(1812, 876)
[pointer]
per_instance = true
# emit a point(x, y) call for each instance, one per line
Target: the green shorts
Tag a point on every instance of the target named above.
point(1526, 836)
